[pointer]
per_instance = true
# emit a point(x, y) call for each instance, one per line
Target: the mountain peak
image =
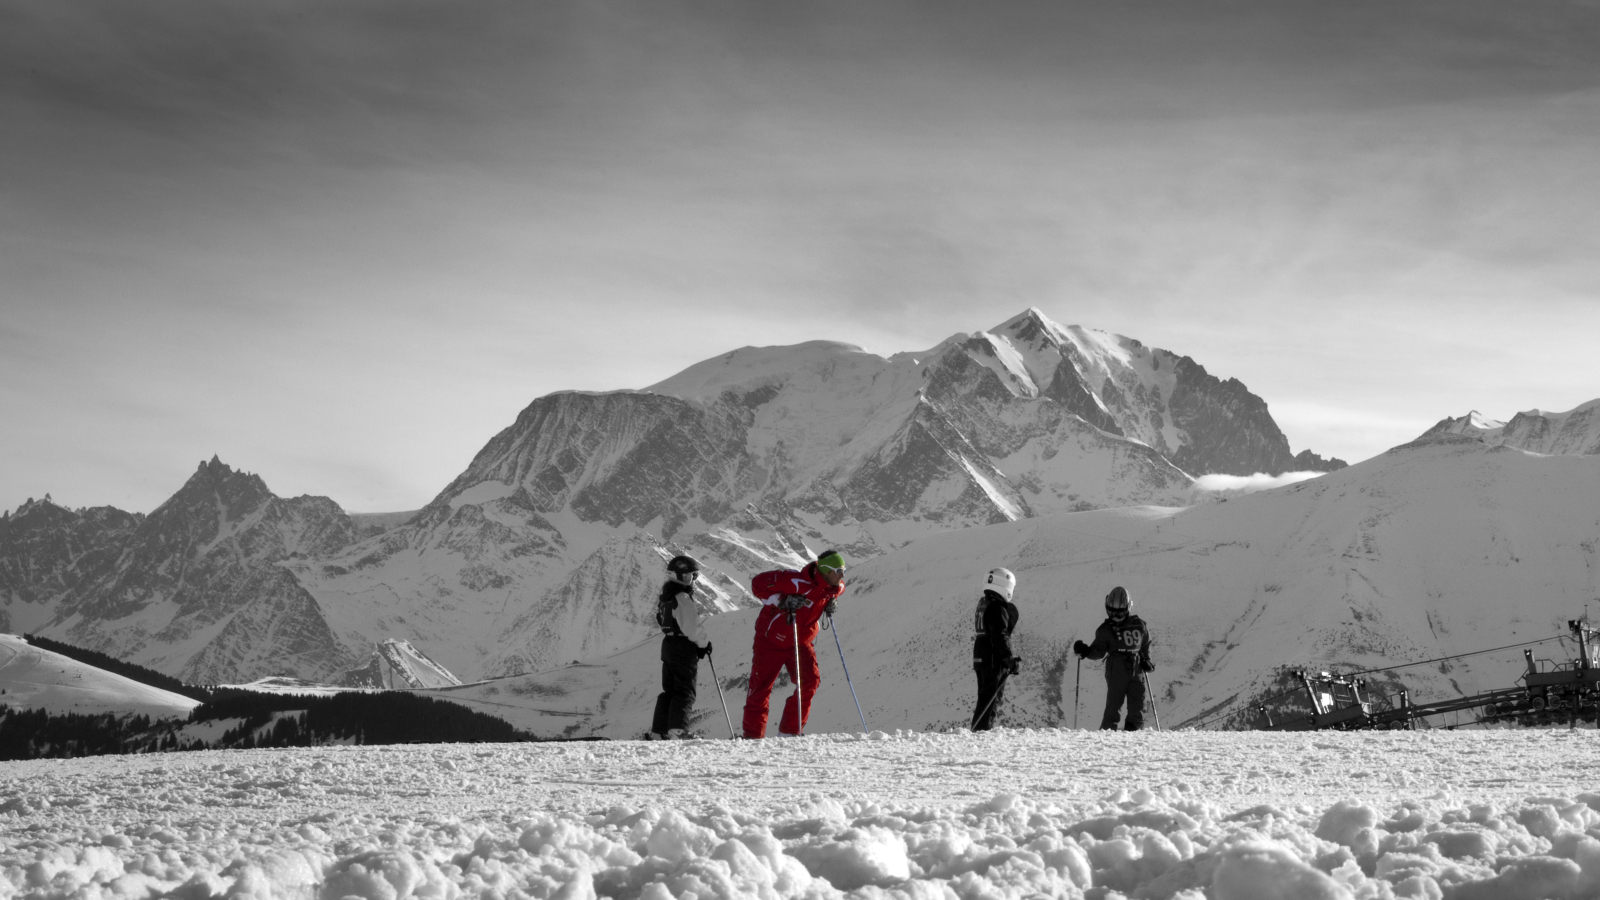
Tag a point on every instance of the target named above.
point(33, 505)
point(1030, 324)
point(237, 489)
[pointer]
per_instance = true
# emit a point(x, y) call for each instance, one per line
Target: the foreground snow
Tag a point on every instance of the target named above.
point(1502, 814)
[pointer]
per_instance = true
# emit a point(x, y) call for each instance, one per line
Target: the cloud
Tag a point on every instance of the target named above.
point(1249, 484)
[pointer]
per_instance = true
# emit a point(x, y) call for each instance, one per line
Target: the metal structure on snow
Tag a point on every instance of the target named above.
point(1550, 693)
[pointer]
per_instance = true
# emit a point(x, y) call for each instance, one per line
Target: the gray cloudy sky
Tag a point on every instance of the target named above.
point(342, 243)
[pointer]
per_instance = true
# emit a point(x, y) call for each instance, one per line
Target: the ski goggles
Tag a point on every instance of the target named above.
point(840, 569)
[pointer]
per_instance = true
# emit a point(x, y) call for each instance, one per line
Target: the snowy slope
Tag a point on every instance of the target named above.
point(1575, 432)
point(1433, 549)
point(32, 678)
point(1179, 816)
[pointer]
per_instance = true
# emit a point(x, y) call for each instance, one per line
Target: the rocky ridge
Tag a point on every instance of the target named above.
point(1575, 432)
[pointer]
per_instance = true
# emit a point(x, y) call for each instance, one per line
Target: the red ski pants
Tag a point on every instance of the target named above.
point(765, 664)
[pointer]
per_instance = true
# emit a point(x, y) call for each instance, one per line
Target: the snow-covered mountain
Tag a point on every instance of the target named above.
point(549, 546)
point(397, 664)
point(1436, 548)
point(1575, 432)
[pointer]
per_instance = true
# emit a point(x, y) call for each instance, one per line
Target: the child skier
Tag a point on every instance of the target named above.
point(792, 606)
point(1125, 642)
point(994, 621)
point(682, 649)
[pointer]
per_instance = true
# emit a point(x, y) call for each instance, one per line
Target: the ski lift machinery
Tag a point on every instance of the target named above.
point(1550, 693)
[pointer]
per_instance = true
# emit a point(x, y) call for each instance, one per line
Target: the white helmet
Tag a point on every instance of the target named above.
point(1002, 582)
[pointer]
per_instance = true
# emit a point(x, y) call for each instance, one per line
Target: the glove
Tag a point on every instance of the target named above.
point(829, 608)
point(1016, 664)
point(1080, 648)
point(1146, 666)
point(790, 602)
point(706, 650)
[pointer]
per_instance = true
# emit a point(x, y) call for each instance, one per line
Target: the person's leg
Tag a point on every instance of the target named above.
point(658, 723)
point(999, 697)
point(1116, 690)
point(1135, 718)
point(811, 679)
point(988, 683)
point(810, 674)
point(685, 664)
point(764, 666)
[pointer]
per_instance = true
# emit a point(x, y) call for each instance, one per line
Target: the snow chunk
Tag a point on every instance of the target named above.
point(1270, 871)
point(856, 858)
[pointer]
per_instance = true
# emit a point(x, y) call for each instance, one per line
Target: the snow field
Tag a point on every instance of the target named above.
point(1510, 815)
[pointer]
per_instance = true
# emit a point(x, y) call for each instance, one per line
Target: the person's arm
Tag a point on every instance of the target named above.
point(994, 626)
point(689, 621)
point(772, 588)
point(1145, 665)
point(1101, 645)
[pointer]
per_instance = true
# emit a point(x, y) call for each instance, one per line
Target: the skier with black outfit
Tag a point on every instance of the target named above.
point(1124, 641)
point(682, 649)
point(994, 621)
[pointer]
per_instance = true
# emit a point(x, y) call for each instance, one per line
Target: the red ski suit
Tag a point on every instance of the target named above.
point(774, 645)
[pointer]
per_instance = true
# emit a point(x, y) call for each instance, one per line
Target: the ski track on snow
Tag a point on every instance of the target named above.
point(1012, 813)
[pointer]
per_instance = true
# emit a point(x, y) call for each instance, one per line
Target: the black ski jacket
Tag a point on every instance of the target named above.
point(677, 614)
point(1127, 643)
point(994, 621)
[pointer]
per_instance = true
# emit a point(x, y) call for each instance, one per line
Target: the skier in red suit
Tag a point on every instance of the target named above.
point(807, 595)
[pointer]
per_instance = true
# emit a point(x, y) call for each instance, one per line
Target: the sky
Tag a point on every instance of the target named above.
point(342, 244)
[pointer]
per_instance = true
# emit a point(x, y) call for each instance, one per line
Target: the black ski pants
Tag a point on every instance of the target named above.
point(991, 685)
point(1123, 682)
point(680, 670)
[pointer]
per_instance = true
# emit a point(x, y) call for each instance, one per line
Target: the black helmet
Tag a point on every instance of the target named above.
point(1117, 602)
point(683, 565)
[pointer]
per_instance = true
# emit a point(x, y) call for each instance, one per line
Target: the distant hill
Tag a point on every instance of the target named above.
point(125, 669)
point(36, 678)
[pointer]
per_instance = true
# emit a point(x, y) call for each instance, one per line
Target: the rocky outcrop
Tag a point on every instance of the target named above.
point(1228, 430)
point(47, 550)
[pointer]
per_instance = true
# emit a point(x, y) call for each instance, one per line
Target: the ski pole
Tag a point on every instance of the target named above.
point(723, 700)
point(1077, 679)
point(1151, 694)
point(992, 697)
point(799, 687)
point(847, 674)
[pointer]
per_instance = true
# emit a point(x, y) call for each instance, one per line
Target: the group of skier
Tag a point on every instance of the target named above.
point(793, 606)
